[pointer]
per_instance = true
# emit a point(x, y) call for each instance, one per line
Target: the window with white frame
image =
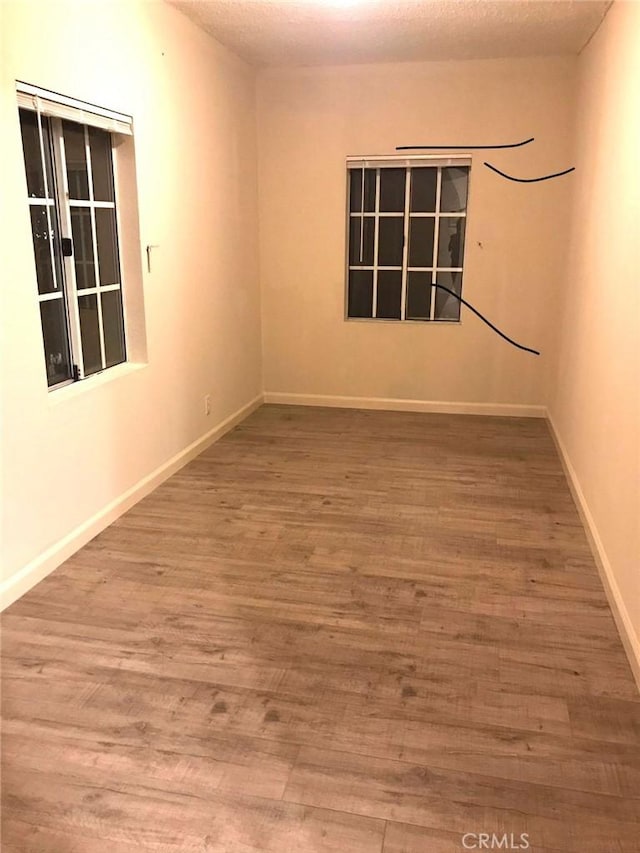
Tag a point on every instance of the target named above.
point(405, 236)
point(72, 201)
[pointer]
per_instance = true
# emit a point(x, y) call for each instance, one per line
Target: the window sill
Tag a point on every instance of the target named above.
point(430, 323)
point(97, 380)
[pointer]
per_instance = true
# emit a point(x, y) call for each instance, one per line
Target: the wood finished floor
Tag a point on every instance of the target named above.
point(333, 631)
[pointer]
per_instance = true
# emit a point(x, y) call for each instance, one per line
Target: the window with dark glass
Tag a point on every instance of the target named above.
point(72, 203)
point(406, 234)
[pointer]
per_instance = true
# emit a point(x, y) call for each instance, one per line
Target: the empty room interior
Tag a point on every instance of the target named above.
point(320, 426)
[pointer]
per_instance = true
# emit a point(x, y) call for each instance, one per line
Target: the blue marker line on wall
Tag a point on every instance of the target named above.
point(464, 147)
point(529, 180)
point(488, 322)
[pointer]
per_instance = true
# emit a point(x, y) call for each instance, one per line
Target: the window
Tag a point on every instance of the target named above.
point(406, 231)
point(72, 202)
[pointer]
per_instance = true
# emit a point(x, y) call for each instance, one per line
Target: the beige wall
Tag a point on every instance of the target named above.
point(67, 456)
point(309, 121)
point(595, 398)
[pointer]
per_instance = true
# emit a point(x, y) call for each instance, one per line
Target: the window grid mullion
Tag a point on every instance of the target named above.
point(436, 240)
point(73, 309)
point(397, 268)
point(374, 304)
point(80, 202)
point(362, 183)
point(92, 213)
point(106, 288)
point(405, 244)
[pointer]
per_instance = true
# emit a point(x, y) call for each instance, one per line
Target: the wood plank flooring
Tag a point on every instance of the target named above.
point(333, 631)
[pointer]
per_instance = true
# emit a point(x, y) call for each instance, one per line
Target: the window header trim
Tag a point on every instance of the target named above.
point(60, 106)
point(381, 161)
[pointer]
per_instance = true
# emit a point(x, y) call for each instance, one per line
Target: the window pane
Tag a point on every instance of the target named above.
point(451, 241)
point(447, 306)
point(453, 193)
point(389, 294)
point(112, 323)
point(390, 241)
point(421, 241)
point(54, 335)
point(423, 190)
point(107, 246)
point(355, 183)
point(418, 296)
point(360, 293)
point(90, 333)
point(368, 229)
point(83, 247)
point(76, 157)
point(41, 247)
point(101, 167)
point(32, 156)
point(392, 186)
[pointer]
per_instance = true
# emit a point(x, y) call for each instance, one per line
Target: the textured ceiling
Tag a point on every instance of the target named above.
point(318, 32)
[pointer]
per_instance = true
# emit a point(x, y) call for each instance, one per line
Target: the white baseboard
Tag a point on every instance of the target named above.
point(22, 581)
point(629, 638)
point(399, 405)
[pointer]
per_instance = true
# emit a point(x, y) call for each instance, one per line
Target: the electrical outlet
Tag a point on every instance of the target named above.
point(207, 404)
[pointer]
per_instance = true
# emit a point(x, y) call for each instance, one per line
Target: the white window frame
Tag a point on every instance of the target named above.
point(58, 108)
point(407, 163)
